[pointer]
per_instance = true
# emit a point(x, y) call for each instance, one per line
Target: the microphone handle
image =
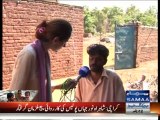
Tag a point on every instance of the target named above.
point(78, 78)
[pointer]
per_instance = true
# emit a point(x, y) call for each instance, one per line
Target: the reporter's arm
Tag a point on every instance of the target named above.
point(56, 87)
point(22, 71)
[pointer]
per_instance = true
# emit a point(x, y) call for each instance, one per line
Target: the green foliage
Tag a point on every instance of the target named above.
point(114, 14)
point(102, 21)
point(150, 17)
point(89, 19)
point(132, 13)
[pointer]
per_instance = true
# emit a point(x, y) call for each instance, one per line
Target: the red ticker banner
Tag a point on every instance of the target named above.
point(62, 107)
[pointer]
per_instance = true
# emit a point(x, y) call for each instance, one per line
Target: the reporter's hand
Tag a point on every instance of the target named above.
point(56, 87)
point(69, 84)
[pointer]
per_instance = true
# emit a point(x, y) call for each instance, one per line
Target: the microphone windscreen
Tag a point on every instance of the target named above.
point(66, 83)
point(84, 71)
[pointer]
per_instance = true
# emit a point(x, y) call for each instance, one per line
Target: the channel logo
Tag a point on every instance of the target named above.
point(137, 101)
point(136, 93)
point(137, 96)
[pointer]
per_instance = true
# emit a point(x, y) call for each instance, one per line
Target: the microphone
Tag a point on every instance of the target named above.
point(83, 72)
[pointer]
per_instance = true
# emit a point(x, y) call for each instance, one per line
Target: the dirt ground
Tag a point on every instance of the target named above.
point(149, 69)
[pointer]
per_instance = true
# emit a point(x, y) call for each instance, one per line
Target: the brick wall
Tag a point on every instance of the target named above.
point(147, 44)
point(19, 23)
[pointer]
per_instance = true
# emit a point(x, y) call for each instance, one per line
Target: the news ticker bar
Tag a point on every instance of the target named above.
point(69, 107)
point(62, 107)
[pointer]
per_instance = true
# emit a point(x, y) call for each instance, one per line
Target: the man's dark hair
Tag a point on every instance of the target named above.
point(19, 91)
point(98, 49)
point(27, 92)
point(9, 95)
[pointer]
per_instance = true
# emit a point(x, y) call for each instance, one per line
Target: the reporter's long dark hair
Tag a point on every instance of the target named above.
point(46, 31)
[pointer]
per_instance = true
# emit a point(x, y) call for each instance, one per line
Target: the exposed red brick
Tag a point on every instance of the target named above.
point(19, 24)
point(147, 44)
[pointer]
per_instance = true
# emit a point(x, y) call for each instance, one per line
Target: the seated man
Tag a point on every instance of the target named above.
point(100, 85)
point(19, 96)
point(10, 97)
point(27, 96)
